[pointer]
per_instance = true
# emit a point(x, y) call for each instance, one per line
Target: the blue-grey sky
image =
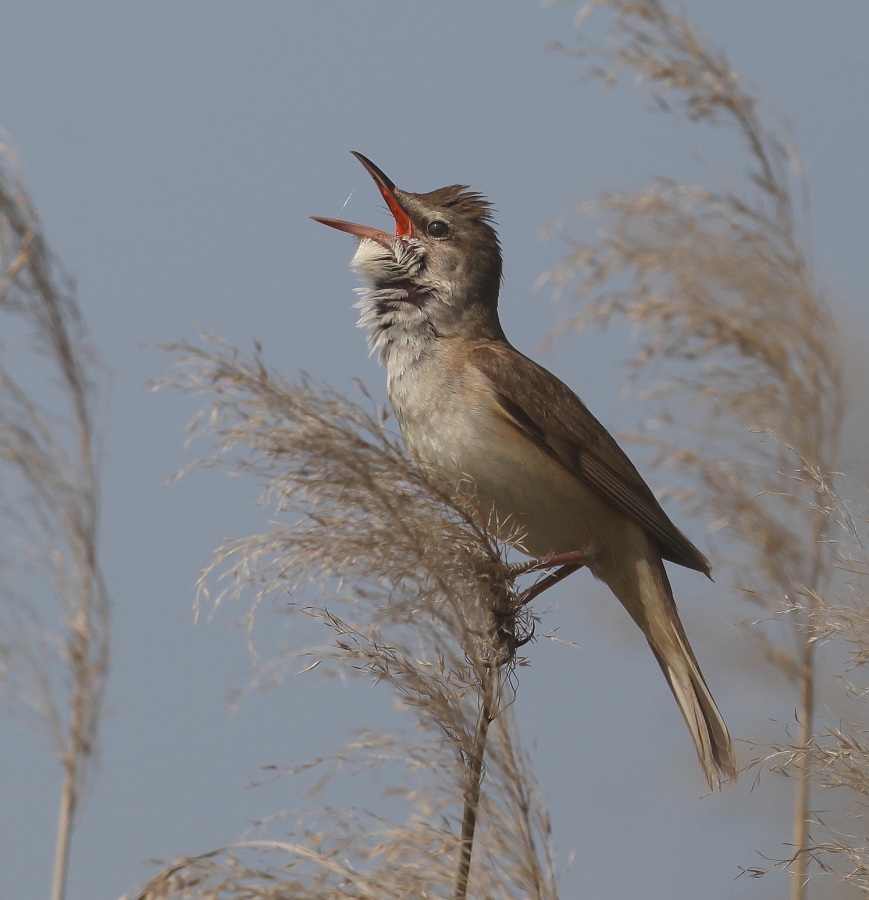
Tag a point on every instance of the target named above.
point(175, 152)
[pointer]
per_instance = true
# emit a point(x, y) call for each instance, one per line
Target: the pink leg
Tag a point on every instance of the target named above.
point(549, 581)
point(576, 558)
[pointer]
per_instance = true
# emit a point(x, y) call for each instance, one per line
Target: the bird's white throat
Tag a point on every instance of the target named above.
point(392, 303)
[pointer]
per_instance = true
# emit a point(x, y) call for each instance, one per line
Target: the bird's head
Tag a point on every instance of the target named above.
point(441, 269)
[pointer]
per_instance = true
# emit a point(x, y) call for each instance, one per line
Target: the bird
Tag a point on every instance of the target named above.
point(477, 411)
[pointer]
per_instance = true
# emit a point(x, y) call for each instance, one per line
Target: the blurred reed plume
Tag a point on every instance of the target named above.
point(54, 621)
point(837, 751)
point(738, 351)
point(423, 603)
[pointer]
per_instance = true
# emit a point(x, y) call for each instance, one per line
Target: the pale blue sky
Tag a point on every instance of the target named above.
point(175, 152)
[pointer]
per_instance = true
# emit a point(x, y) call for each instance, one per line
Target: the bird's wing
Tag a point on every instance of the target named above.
point(548, 412)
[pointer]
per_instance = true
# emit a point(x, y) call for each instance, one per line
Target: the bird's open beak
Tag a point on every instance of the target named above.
point(403, 224)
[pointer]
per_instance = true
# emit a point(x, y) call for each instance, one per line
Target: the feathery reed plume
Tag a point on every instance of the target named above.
point(719, 285)
point(49, 505)
point(838, 753)
point(423, 603)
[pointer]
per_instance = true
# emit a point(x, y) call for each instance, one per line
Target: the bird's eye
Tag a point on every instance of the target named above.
point(438, 229)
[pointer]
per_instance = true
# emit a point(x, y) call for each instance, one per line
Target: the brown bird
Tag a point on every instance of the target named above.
point(473, 408)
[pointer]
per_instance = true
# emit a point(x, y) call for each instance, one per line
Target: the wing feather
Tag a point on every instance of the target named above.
point(548, 412)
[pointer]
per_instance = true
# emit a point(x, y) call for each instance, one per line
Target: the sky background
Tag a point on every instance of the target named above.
point(175, 152)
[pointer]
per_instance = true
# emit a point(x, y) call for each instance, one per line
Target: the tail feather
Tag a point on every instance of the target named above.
point(647, 596)
point(711, 738)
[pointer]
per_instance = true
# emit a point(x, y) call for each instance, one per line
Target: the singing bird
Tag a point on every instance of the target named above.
point(474, 409)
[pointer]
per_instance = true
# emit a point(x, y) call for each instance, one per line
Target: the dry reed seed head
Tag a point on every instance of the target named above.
point(57, 627)
point(424, 586)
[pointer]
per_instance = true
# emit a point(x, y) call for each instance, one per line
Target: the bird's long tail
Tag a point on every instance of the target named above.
point(652, 607)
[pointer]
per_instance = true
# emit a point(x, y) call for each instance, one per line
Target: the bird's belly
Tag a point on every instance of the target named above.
point(528, 498)
point(525, 489)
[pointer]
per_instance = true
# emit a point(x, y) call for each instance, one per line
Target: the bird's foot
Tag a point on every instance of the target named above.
point(509, 603)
